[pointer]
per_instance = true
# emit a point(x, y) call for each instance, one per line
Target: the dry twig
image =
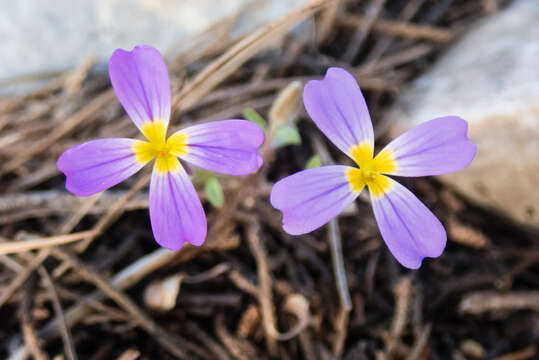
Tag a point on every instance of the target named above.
point(487, 301)
point(60, 319)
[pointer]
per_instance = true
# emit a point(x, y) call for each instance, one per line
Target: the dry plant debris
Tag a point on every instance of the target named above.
point(73, 271)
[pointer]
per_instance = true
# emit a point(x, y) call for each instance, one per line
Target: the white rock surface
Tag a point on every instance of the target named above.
point(43, 36)
point(491, 79)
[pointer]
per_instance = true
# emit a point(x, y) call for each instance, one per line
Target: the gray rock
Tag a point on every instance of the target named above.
point(43, 36)
point(491, 79)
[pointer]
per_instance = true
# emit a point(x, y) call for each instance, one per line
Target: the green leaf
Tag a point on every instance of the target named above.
point(313, 162)
point(214, 192)
point(251, 115)
point(286, 135)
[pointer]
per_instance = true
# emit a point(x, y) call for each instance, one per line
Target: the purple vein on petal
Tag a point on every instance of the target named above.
point(140, 80)
point(176, 213)
point(228, 146)
point(98, 164)
point(408, 227)
point(338, 108)
point(436, 147)
point(310, 198)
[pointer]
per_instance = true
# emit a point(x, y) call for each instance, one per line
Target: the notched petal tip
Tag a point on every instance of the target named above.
point(256, 138)
point(291, 228)
point(438, 146)
point(172, 246)
point(331, 73)
point(176, 213)
point(226, 146)
point(135, 49)
point(259, 161)
point(470, 146)
point(63, 166)
point(310, 198)
point(255, 135)
point(410, 230)
point(140, 80)
point(413, 265)
point(417, 262)
point(310, 87)
point(75, 190)
point(338, 108)
point(462, 141)
point(97, 165)
point(337, 72)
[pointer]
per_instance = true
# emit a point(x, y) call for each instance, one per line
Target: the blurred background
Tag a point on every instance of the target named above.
point(82, 278)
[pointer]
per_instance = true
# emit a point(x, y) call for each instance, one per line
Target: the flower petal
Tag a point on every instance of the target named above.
point(310, 198)
point(98, 164)
point(408, 227)
point(140, 80)
point(228, 146)
point(339, 110)
point(438, 146)
point(176, 213)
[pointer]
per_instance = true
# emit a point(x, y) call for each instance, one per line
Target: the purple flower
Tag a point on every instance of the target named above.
point(140, 80)
point(310, 198)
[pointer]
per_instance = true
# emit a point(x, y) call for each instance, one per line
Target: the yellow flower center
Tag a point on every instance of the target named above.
point(158, 147)
point(371, 169)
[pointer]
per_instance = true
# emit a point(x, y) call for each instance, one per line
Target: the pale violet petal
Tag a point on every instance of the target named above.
point(438, 146)
point(98, 164)
point(140, 81)
point(408, 227)
point(176, 213)
point(310, 198)
point(228, 146)
point(338, 108)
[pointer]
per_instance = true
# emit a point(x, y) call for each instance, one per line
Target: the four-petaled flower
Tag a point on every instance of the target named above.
point(140, 80)
point(311, 198)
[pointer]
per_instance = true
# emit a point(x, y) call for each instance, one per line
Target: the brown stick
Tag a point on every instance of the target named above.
point(46, 242)
point(27, 322)
point(402, 29)
point(169, 342)
point(238, 54)
point(23, 275)
point(69, 349)
point(99, 103)
point(523, 354)
point(363, 30)
point(265, 295)
point(484, 301)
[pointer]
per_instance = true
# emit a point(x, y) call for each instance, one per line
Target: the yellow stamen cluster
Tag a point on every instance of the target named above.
point(158, 147)
point(371, 169)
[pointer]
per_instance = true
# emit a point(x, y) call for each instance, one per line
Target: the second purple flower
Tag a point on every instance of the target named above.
point(311, 198)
